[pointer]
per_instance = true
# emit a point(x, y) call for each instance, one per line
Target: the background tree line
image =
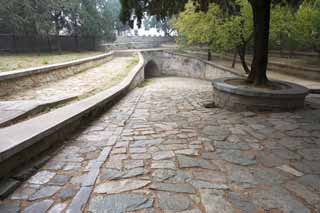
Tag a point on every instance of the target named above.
point(293, 26)
point(97, 19)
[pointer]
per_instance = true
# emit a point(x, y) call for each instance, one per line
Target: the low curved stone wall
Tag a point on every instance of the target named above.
point(176, 64)
point(15, 81)
point(234, 97)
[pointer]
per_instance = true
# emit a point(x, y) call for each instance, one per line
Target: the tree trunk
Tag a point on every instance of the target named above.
point(261, 16)
point(234, 58)
point(242, 54)
point(209, 55)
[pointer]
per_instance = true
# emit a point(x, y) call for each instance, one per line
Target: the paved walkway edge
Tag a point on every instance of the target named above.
point(23, 141)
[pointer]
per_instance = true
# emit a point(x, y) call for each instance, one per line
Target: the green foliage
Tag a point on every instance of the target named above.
point(96, 18)
point(161, 25)
point(221, 31)
point(281, 26)
point(307, 25)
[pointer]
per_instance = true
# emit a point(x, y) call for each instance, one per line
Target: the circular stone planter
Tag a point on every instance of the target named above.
point(235, 96)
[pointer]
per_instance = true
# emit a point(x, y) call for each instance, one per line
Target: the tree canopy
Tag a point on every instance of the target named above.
point(97, 18)
point(226, 25)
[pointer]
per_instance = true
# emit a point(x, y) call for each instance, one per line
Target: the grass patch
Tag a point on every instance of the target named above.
point(10, 62)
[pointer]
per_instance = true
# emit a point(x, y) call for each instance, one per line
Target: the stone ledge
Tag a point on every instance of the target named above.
point(242, 98)
point(40, 133)
point(15, 111)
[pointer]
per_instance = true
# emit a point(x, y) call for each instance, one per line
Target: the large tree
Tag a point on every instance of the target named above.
point(261, 19)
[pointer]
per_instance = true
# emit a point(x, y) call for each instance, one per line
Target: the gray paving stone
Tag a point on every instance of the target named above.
point(242, 203)
point(146, 143)
point(90, 178)
point(290, 170)
point(39, 207)
point(174, 202)
point(133, 173)
point(10, 208)
point(230, 146)
point(200, 184)
point(192, 211)
point(121, 186)
point(131, 164)
point(72, 166)
point(58, 208)
point(211, 176)
point(164, 164)
point(42, 177)
point(237, 157)
point(138, 150)
point(23, 193)
point(45, 192)
point(110, 174)
point(104, 154)
point(170, 187)
point(59, 180)
point(67, 193)
point(80, 200)
point(190, 152)
point(303, 192)
point(188, 162)
point(278, 198)
point(163, 155)
point(163, 174)
point(310, 154)
point(120, 203)
point(216, 132)
point(214, 201)
point(311, 181)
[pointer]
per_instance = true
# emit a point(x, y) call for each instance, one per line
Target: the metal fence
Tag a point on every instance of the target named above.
point(23, 43)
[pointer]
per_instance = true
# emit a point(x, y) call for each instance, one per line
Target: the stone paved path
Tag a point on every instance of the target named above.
point(102, 76)
point(160, 150)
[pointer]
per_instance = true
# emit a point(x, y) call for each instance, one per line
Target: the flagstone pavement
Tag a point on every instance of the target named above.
point(160, 150)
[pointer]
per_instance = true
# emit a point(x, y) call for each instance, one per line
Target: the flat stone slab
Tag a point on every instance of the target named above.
point(120, 203)
point(42, 177)
point(171, 187)
point(121, 186)
point(174, 202)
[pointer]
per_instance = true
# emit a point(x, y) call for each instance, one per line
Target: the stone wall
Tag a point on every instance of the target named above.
point(131, 45)
point(136, 42)
point(176, 64)
point(129, 39)
point(15, 81)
